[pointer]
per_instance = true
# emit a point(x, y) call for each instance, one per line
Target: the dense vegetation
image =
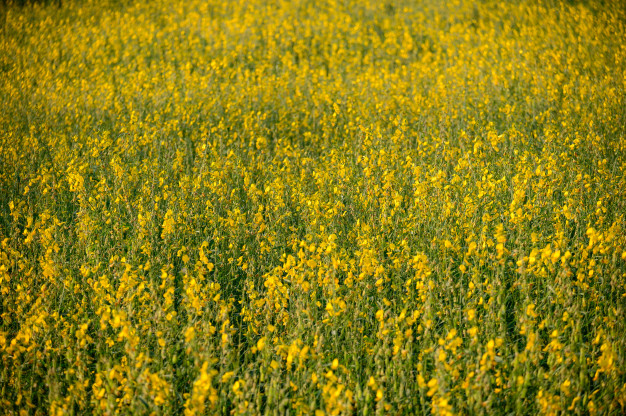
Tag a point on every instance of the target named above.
point(312, 207)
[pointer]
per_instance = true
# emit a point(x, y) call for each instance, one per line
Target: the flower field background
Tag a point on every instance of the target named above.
point(312, 207)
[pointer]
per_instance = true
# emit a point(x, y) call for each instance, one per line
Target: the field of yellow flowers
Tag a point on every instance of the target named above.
point(307, 207)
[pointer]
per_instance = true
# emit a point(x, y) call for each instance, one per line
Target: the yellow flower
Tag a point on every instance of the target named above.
point(433, 386)
point(379, 395)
